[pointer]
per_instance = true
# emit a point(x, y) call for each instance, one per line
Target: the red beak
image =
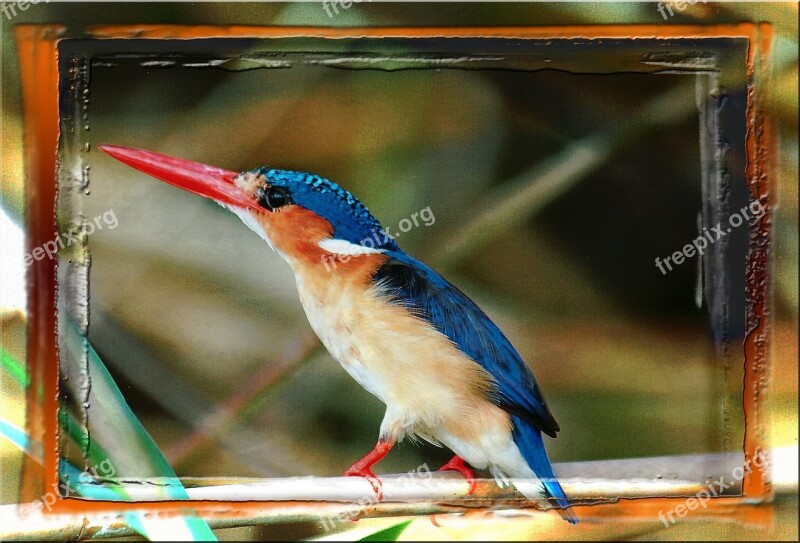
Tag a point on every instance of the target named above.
point(208, 181)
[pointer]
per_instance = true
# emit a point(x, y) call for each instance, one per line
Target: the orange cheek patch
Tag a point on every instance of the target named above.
point(296, 232)
point(293, 227)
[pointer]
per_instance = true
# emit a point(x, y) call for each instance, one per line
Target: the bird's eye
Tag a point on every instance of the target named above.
point(273, 198)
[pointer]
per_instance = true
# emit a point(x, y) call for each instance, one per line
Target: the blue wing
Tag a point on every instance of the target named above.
point(416, 286)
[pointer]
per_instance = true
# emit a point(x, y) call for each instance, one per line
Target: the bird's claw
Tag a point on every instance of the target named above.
point(371, 478)
point(457, 464)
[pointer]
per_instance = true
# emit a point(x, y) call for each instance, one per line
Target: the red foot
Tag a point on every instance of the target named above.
point(457, 464)
point(367, 474)
point(362, 468)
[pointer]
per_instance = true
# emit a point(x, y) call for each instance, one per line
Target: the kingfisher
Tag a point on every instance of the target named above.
point(444, 370)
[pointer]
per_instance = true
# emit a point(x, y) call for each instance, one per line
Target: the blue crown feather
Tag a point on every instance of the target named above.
point(351, 220)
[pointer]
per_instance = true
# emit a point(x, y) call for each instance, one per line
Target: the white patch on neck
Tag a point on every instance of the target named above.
point(344, 247)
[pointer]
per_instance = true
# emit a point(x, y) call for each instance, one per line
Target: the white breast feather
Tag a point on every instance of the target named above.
point(330, 321)
point(387, 363)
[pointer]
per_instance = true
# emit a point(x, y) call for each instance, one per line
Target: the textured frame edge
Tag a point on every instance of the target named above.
point(38, 55)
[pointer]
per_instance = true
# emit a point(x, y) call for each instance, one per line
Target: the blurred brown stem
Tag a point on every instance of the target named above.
point(295, 354)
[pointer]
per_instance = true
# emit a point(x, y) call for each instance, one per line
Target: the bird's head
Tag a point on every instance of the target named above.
point(306, 218)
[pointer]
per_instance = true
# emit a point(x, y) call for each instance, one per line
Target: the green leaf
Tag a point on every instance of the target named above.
point(75, 431)
point(392, 533)
point(13, 368)
point(154, 529)
point(124, 440)
point(110, 419)
point(67, 422)
point(148, 526)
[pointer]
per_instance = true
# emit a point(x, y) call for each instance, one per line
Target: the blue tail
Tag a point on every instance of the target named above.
point(529, 440)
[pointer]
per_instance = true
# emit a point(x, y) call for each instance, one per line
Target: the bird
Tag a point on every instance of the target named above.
point(446, 373)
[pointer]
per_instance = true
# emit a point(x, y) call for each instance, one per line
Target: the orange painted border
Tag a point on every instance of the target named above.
point(760, 146)
point(39, 73)
point(38, 56)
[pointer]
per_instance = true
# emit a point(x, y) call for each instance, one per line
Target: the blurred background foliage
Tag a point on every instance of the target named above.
point(200, 324)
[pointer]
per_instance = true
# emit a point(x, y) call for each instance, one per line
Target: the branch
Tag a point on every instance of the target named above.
point(336, 500)
point(445, 487)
